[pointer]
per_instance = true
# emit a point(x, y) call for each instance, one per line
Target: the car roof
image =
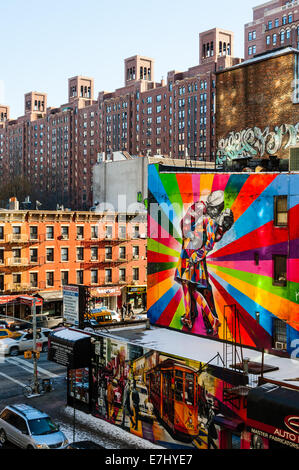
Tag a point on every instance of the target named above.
point(28, 411)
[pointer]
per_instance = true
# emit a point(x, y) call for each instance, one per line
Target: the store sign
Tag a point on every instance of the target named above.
point(282, 436)
point(71, 305)
point(137, 290)
point(107, 292)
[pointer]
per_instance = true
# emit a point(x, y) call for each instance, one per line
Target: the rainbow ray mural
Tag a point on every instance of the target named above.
point(215, 248)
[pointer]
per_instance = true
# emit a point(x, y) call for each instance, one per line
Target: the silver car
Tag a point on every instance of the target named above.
point(30, 428)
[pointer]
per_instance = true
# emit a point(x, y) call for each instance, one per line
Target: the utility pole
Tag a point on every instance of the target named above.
point(35, 379)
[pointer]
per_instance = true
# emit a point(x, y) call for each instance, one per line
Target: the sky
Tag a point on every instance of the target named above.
point(45, 42)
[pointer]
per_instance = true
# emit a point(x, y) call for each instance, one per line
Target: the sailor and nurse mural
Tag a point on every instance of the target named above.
point(212, 241)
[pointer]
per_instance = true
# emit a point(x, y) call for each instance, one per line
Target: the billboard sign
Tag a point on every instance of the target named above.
point(71, 305)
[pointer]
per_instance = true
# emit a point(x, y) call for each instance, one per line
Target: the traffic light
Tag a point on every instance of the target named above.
point(27, 354)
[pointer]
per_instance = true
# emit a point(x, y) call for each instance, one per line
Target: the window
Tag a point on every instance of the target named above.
point(122, 252)
point(280, 270)
point(276, 22)
point(122, 275)
point(50, 278)
point(94, 253)
point(268, 40)
point(281, 211)
point(108, 275)
point(284, 19)
point(274, 39)
point(108, 252)
point(135, 252)
point(64, 254)
point(282, 36)
point(1, 232)
point(16, 278)
point(50, 254)
point(80, 253)
point(269, 25)
point(1, 256)
point(250, 50)
point(64, 278)
point(50, 232)
point(64, 232)
point(108, 231)
point(33, 255)
point(135, 274)
point(250, 36)
point(33, 232)
point(79, 276)
point(94, 276)
point(80, 232)
point(136, 233)
point(122, 231)
point(288, 33)
point(290, 18)
point(94, 231)
point(33, 279)
point(279, 333)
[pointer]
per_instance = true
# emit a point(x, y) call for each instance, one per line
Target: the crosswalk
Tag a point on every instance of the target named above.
point(28, 366)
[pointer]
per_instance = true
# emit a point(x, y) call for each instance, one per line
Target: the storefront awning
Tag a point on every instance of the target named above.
point(233, 424)
point(69, 348)
point(51, 296)
point(21, 299)
point(273, 412)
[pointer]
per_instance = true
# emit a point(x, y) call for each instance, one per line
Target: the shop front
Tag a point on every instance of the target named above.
point(136, 296)
point(110, 297)
point(268, 429)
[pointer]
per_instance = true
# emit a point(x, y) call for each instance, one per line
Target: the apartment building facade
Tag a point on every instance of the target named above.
point(275, 24)
point(41, 251)
point(56, 148)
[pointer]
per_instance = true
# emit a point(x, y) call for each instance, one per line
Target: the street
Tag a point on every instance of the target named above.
point(16, 372)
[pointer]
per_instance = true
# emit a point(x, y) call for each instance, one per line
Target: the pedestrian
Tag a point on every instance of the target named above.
point(135, 400)
point(124, 311)
point(126, 403)
point(130, 310)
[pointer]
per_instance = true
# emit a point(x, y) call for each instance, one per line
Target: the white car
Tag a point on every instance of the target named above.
point(13, 346)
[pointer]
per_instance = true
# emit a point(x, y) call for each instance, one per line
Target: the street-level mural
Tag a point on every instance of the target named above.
point(223, 255)
point(171, 401)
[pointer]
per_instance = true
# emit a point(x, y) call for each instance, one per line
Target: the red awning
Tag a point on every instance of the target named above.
point(22, 299)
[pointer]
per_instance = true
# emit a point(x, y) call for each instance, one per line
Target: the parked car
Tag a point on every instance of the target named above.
point(84, 445)
point(6, 333)
point(19, 325)
point(29, 428)
point(44, 320)
point(12, 346)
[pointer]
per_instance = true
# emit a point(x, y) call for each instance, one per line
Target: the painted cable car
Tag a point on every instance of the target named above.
point(173, 391)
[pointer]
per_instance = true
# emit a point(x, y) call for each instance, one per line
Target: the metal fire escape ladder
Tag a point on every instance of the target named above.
point(232, 354)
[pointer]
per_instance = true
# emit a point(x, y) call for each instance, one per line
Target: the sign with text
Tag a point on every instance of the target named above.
point(71, 305)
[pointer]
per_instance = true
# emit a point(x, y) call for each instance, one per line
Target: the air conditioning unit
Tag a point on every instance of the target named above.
point(280, 345)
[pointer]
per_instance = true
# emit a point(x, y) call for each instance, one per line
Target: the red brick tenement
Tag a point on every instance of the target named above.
point(275, 24)
point(41, 251)
point(56, 148)
point(258, 107)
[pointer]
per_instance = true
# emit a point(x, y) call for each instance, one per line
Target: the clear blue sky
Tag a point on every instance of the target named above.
point(45, 42)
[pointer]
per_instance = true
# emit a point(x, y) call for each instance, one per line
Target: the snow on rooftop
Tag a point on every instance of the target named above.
point(204, 350)
point(69, 334)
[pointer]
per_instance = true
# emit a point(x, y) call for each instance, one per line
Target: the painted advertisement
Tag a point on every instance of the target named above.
point(221, 245)
point(171, 401)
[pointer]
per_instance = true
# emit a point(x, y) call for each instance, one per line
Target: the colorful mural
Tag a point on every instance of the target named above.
point(171, 401)
point(212, 241)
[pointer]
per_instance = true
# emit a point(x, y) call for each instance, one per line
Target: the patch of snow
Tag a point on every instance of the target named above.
point(107, 430)
point(69, 334)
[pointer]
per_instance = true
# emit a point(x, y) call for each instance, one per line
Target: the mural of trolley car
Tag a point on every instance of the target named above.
point(173, 391)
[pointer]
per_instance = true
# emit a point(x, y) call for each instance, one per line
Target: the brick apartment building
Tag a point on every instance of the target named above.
point(262, 117)
point(56, 148)
point(275, 24)
point(40, 251)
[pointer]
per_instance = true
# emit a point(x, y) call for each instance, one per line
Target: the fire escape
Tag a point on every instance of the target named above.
point(235, 393)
